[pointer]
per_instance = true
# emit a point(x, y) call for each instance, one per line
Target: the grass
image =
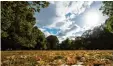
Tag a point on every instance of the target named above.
point(57, 58)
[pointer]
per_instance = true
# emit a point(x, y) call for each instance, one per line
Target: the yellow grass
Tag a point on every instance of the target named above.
point(56, 58)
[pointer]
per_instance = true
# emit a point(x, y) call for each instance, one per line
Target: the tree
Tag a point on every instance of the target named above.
point(66, 44)
point(100, 38)
point(52, 42)
point(109, 24)
point(78, 43)
point(107, 9)
point(17, 22)
point(41, 40)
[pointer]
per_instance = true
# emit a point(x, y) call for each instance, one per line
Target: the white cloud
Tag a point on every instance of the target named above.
point(69, 27)
point(61, 8)
point(59, 15)
point(51, 2)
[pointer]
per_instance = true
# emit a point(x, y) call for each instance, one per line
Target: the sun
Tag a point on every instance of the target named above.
point(92, 18)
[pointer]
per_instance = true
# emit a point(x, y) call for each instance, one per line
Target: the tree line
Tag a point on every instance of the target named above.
point(19, 33)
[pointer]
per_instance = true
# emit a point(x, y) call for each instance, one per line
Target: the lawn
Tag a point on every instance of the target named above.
point(57, 58)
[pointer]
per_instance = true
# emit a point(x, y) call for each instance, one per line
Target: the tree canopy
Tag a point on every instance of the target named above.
point(17, 20)
point(18, 30)
point(107, 9)
point(52, 42)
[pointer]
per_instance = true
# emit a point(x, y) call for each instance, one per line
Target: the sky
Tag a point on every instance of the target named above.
point(68, 19)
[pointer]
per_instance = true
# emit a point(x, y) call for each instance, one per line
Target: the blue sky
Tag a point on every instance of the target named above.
point(69, 18)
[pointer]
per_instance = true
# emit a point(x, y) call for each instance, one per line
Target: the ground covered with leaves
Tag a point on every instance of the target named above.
point(57, 58)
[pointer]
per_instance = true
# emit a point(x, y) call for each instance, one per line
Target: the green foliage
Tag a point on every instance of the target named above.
point(107, 9)
point(52, 42)
point(78, 43)
point(17, 20)
point(99, 38)
point(37, 5)
point(4, 34)
point(109, 24)
point(18, 30)
point(66, 44)
point(41, 41)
